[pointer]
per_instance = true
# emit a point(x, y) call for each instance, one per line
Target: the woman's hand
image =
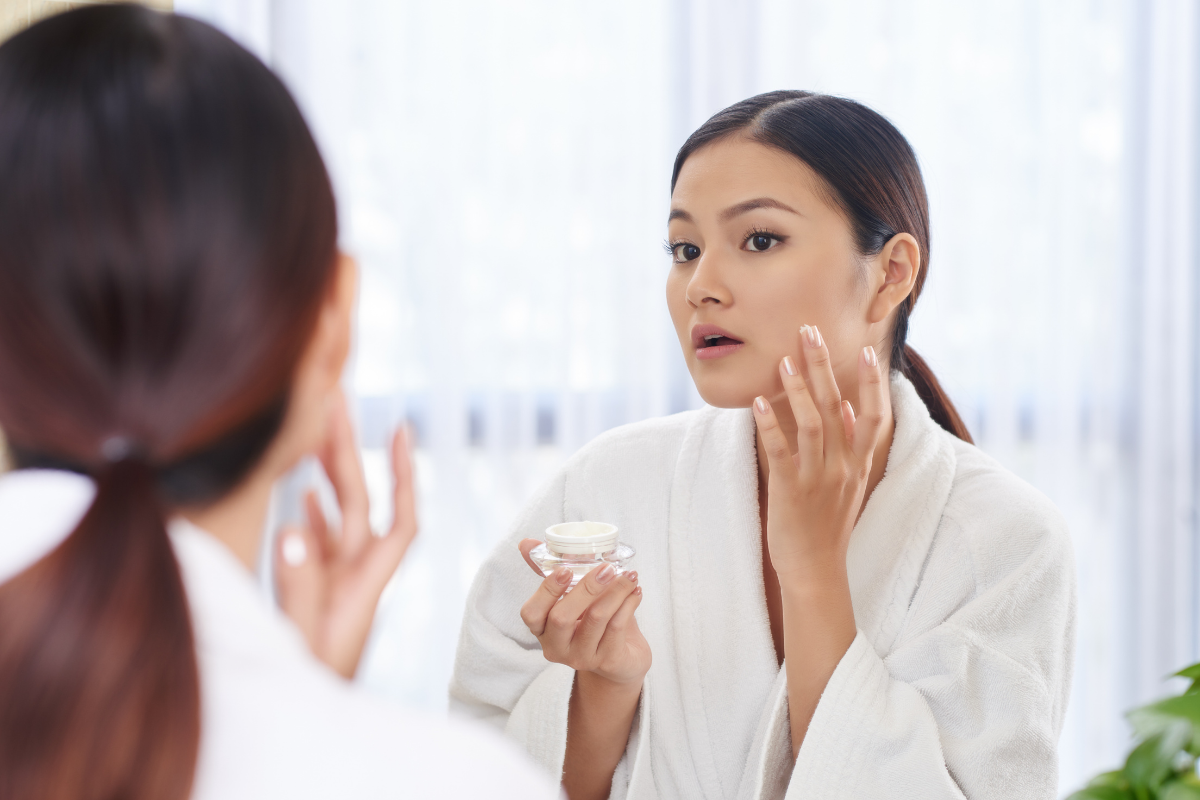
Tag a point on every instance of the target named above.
point(330, 581)
point(592, 628)
point(814, 496)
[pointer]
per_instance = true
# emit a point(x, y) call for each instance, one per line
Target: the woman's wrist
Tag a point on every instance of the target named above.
point(819, 607)
point(813, 576)
point(599, 686)
point(818, 595)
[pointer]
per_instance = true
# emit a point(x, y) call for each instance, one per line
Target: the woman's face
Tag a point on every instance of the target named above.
point(758, 251)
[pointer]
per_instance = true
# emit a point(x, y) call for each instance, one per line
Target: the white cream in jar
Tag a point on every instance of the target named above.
point(581, 547)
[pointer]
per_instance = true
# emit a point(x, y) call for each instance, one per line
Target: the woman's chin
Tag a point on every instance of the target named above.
point(725, 397)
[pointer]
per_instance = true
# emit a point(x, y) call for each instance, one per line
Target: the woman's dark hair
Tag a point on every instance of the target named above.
point(872, 174)
point(168, 236)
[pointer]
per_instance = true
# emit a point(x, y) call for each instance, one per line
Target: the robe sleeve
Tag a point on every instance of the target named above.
point(500, 675)
point(970, 707)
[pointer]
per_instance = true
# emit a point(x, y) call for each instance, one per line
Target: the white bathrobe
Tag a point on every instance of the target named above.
point(275, 723)
point(962, 580)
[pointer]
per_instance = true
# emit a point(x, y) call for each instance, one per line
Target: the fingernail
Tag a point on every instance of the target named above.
point(638, 590)
point(814, 336)
point(788, 366)
point(869, 356)
point(295, 551)
point(562, 575)
point(632, 576)
point(760, 403)
point(605, 574)
point(852, 417)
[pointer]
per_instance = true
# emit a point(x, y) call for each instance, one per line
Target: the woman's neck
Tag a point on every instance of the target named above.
point(238, 518)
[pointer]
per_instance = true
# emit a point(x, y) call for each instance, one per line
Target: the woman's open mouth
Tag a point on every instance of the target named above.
point(713, 342)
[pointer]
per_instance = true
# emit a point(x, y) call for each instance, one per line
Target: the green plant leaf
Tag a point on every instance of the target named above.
point(1115, 779)
point(1163, 765)
point(1176, 720)
point(1180, 790)
point(1192, 673)
point(1103, 793)
point(1184, 706)
point(1150, 764)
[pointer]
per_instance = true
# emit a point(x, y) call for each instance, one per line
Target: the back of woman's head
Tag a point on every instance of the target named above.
point(167, 237)
point(872, 175)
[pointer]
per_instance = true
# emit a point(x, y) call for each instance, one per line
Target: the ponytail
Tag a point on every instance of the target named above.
point(913, 367)
point(916, 369)
point(99, 688)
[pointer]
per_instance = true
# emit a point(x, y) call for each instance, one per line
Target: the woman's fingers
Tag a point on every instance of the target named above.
point(377, 562)
point(848, 420)
point(526, 547)
point(561, 622)
point(779, 456)
point(870, 400)
point(404, 495)
point(595, 619)
point(537, 608)
point(381, 555)
point(300, 579)
point(340, 459)
point(818, 373)
point(809, 427)
point(326, 543)
point(621, 621)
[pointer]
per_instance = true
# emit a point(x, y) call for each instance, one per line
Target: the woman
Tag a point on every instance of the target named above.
point(843, 597)
point(174, 319)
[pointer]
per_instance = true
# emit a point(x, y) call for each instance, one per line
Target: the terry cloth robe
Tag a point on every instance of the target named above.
point(962, 581)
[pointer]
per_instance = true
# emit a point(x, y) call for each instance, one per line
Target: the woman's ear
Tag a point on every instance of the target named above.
point(895, 271)
point(330, 346)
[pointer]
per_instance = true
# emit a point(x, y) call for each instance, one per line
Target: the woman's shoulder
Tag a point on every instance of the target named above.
point(277, 722)
point(303, 734)
point(1003, 520)
point(38, 509)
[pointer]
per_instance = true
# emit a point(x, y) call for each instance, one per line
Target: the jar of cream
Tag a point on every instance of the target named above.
point(581, 547)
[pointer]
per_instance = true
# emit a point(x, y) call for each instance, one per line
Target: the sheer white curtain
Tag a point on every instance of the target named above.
point(1165, 313)
point(502, 171)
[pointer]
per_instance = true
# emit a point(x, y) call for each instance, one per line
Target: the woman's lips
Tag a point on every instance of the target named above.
point(717, 351)
point(711, 342)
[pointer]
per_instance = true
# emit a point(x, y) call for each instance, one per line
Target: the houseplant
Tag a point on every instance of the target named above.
point(1163, 764)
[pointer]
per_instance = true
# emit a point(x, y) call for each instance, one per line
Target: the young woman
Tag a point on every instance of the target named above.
point(174, 318)
point(843, 598)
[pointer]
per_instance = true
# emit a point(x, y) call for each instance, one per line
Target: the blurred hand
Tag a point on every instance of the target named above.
point(330, 581)
point(592, 628)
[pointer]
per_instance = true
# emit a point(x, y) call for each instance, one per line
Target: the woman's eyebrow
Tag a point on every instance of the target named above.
point(678, 213)
point(750, 205)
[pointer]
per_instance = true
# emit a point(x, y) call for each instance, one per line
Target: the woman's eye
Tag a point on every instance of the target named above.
point(685, 252)
point(761, 241)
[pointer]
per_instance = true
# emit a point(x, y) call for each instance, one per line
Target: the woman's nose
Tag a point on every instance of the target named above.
point(706, 286)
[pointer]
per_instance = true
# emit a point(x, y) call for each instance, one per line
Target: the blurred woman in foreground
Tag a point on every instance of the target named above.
point(174, 319)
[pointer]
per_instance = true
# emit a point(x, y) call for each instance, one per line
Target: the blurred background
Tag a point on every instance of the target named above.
point(502, 170)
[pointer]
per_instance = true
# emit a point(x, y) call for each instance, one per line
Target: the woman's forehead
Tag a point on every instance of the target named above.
point(738, 170)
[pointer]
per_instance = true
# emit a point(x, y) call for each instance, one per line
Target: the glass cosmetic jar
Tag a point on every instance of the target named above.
point(581, 547)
